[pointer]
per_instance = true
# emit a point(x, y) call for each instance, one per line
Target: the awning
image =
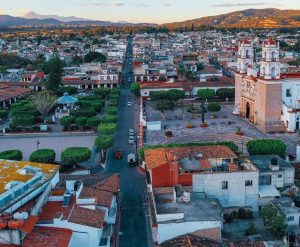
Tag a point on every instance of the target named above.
point(267, 191)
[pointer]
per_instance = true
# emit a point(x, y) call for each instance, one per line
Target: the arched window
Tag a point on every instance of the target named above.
point(262, 70)
point(273, 72)
point(247, 54)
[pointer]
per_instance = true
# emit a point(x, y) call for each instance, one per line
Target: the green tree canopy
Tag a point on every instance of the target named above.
point(104, 141)
point(94, 56)
point(135, 89)
point(214, 107)
point(43, 156)
point(107, 129)
point(11, 155)
point(266, 147)
point(74, 155)
point(206, 93)
point(55, 67)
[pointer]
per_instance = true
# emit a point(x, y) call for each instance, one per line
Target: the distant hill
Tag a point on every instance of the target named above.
point(249, 18)
point(8, 21)
point(34, 15)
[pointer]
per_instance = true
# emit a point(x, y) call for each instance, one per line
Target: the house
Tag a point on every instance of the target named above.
point(211, 170)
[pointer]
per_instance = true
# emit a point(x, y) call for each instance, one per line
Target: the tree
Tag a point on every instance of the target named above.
point(204, 94)
point(104, 142)
point(93, 122)
point(175, 95)
point(94, 56)
point(44, 101)
point(11, 155)
point(67, 121)
point(74, 155)
point(200, 66)
point(80, 121)
point(107, 129)
point(180, 72)
point(43, 156)
point(101, 91)
point(163, 106)
point(3, 114)
point(55, 71)
point(135, 89)
point(225, 93)
point(214, 107)
point(275, 220)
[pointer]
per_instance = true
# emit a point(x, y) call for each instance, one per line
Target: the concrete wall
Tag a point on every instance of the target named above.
point(237, 194)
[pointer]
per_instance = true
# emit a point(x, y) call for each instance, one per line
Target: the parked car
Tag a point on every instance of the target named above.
point(131, 132)
point(118, 154)
point(129, 104)
point(131, 140)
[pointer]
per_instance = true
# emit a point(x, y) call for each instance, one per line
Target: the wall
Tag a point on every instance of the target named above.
point(164, 175)
point(237, 194)
point(171, 230)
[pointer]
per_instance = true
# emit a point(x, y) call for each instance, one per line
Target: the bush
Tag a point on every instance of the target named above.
point(225, 93)
point(112, 110)
point(251, 230)
point(104, 142)
point(101, 91)
point(113, 103)
point(107, 129)
point(93, 122)
point(74, 155)
point(43, 156)
point(266, 147)
point(80, 121)
point(97, 106)
point(67, 121)
point(275, 220)
point(23, 120)
point(11, 155)
point(172, 94)
point(86, 112)
point(244, 214)
point(3, 114)
point(135, 89)
point(109, 119)
point(213, 107)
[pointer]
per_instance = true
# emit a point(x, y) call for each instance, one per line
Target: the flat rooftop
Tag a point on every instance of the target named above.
point(12, 171)
point(262, 162)
point(198, 209)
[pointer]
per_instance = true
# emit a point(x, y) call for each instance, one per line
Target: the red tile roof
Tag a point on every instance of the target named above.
point(88, 217)
point(103, 198)
point(110, 184)
point(8, 91)
point(48, 236)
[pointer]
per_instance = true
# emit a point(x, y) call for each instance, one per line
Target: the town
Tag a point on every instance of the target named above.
point(150, 138)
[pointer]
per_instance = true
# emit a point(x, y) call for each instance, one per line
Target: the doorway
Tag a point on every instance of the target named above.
point(247, 110)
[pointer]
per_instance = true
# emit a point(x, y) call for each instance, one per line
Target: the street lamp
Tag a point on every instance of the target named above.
point(37, 144)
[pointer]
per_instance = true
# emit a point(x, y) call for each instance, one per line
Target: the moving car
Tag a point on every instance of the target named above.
point(131, 160)
point(118, 154)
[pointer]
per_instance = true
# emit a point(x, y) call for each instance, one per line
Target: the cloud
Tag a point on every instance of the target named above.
point(167, 5)
point(224, 5)
point(111, 3)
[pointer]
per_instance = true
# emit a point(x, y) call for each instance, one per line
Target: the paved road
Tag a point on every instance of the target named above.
point(219, 67)
point(133, 230)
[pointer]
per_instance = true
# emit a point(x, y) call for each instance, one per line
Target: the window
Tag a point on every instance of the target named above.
point(265, 180)
point(290, 218)
point(248, 183)
point(224, 185)
point(288, 93)
point(280, 176)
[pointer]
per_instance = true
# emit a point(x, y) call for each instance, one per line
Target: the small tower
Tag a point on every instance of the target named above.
point(270, 65)
point(245, 56)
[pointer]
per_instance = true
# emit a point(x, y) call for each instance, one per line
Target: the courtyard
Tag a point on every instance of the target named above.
point(221, 128)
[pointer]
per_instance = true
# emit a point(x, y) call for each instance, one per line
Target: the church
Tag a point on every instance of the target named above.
point(263, 95)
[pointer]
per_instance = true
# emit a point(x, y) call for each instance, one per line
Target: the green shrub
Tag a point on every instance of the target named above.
point(101, 91)
point(74, 155)
point(23, 120)
point(225, 93)
point(43, 156)
point(80, 121)
point(114, 97)
point(93, 122)
point(67, 121)
point(86, 112)
point(213, 107)
point(266, 147)
point(3, 114)
point(251, 230)
point(109, 119)
point(104, 142)
point(112, 103)
point(97, 106)
point(11, 155)
point(274, 220)
point(112, 110)
point(107, 129)
point(244, 214)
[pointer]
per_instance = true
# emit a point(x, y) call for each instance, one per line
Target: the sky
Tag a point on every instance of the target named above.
point(150, 11)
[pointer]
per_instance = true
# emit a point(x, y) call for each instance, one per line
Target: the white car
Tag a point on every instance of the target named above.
point(131, 140)
point(129, 104)
point(131, 132)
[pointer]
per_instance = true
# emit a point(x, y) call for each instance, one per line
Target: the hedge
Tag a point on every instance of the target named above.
point(85, 112)
point(93, 122)
point(43, 156)
point(107, 129)
point(101, 91)
point(3, 114)
point(74, 155)
point(80, 121)
point(228, 144)
point(11, 155)
point(109, 119)
point(225, 93)
point(213, 107)
point(266, 147)
point(23, 120)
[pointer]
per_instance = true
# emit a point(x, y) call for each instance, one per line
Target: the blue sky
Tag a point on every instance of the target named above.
point(158, 11)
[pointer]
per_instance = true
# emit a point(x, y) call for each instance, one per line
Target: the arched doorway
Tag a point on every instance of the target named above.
point(247, 110)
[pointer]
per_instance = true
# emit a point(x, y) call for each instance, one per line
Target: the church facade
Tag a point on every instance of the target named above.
point(258, 90)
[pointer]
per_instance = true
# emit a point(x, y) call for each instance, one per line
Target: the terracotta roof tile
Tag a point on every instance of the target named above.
point(103, 198)
point(87, 217)
point(110, 184)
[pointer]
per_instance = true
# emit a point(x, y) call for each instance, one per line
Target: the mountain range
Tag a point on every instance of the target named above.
point(249, 18)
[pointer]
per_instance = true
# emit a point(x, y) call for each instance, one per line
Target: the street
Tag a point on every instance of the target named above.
point(133, 229)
